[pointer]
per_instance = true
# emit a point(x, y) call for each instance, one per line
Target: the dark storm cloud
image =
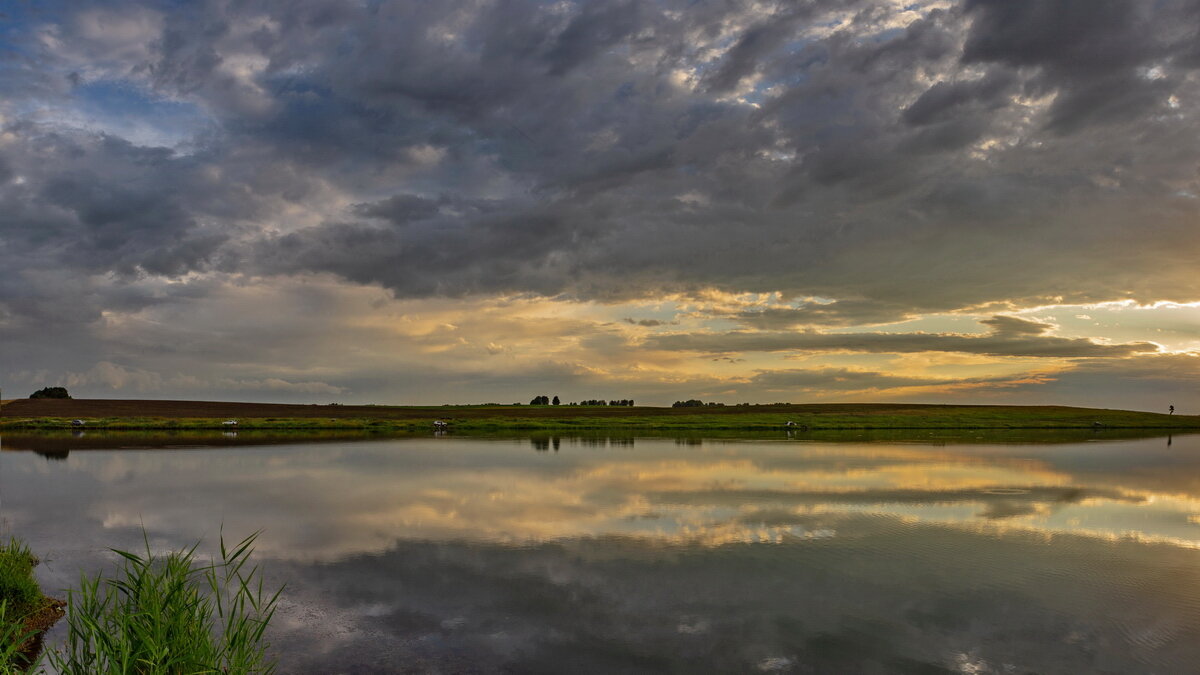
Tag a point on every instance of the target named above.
point(832, 379)
point(1011, 325)
point(1043, 495)
point(597, 26)
point(837, 313)
point(1148, 382)
point(399, 209)
point(577, 102)
point(1089, 52)
point(1010, 337)
point(945, 101)
point(83, 218)
point(1074, 34)
point(501, 253)
point(756, 44)
point(126, 207)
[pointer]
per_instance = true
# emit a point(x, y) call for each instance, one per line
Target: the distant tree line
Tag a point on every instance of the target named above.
point(546, 400)
point(696, 403)
point(51, 392)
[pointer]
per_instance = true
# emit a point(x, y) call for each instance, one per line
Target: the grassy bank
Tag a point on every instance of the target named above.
point(198, 415)
point(24, 612)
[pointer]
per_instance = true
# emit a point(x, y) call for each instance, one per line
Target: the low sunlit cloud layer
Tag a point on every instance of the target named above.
point(410, 202)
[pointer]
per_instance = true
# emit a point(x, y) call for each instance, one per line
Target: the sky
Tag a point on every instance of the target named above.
point(404, 202)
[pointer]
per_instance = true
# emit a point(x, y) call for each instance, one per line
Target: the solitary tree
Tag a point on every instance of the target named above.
point(555, 401)
point(51, 392)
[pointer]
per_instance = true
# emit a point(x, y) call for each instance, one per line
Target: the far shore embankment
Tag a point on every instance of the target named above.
point(155, 414)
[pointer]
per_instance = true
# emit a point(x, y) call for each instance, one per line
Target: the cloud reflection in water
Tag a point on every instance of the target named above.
point(465, 554)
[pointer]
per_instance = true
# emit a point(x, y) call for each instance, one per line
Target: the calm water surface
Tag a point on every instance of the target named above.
point(596, 555)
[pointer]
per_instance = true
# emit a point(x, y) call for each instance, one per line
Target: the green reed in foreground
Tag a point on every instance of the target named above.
point(13, 636)
point(170, 615)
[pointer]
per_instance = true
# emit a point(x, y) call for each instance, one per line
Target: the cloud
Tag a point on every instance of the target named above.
point(837, 313)
point(1088, 54)
point(128, 381)
point(399, 209)
point(1150, 382)
point(329, 94)
point(893, 160)
point(832, 379)
point(945, 101)
point(1011, 336)
point(1012, 325)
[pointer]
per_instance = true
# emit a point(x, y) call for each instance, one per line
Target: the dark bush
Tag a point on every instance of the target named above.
point(694, 403)
point(51, 392)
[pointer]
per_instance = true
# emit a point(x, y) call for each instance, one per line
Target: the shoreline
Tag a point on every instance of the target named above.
point(564, 426)
point(152, 415)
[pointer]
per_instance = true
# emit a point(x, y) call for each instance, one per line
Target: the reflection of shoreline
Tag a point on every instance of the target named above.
point(55, 444)
point(546, 443)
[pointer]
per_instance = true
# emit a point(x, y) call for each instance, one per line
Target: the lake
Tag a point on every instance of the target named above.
point(550, 554)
